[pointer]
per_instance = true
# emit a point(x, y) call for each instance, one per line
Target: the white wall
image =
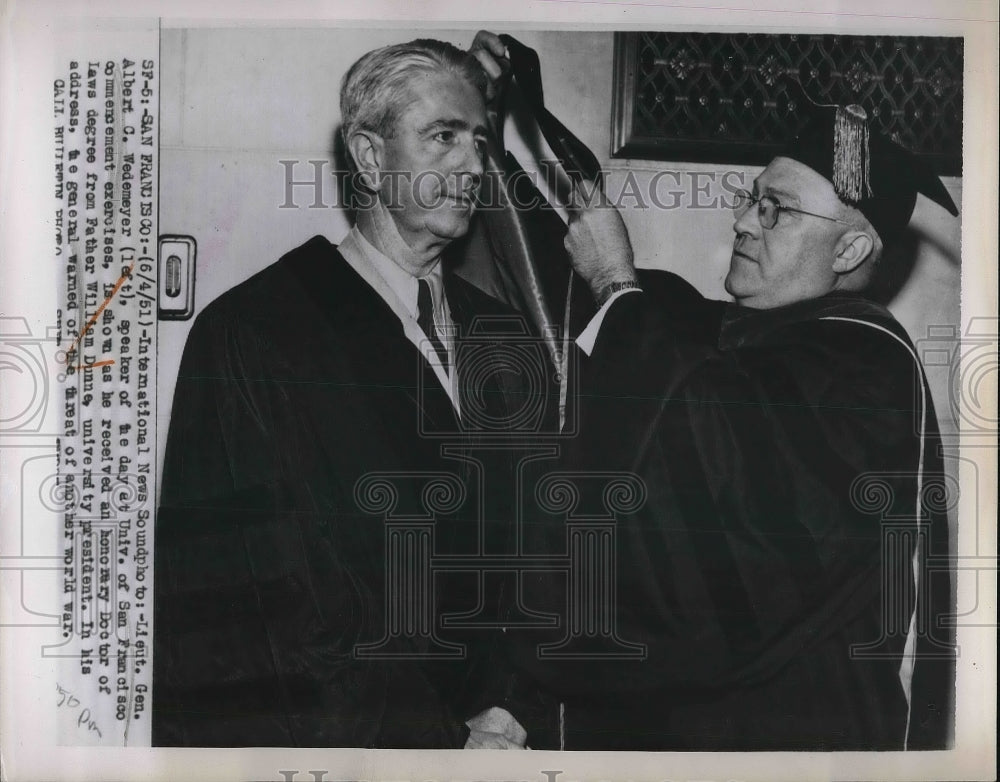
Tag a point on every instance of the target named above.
point(235, 102)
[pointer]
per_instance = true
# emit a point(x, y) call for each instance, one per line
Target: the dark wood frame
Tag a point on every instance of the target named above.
point(626, 142)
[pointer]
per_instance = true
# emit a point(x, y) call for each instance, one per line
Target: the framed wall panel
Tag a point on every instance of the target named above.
point(735, 98)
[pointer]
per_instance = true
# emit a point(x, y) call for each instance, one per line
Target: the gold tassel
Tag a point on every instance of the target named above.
point(850, 154)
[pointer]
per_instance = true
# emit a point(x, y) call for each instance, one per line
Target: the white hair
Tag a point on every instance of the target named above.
point(375, 90)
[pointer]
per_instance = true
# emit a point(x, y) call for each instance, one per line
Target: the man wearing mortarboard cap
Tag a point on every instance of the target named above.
point(777, 573)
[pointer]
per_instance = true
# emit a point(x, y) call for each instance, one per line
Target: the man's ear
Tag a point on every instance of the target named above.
point(852, 250)
point(366, 150)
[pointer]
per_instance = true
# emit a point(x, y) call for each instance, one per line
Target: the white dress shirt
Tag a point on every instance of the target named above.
point(399, 289)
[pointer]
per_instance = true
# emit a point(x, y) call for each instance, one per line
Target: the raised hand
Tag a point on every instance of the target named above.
point(597, 241)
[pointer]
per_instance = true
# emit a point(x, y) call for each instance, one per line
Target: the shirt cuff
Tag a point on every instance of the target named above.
point(588, 336)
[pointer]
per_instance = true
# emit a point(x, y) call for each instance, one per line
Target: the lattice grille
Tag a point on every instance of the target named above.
point(736, 97)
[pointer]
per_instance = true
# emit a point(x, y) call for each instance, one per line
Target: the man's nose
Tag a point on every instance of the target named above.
point(469, 181)
point(472, 167)
point(748, 223)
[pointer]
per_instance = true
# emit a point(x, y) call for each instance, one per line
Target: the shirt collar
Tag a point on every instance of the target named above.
point(400, 281)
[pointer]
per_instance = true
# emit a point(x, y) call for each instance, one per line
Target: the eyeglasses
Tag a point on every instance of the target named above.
point(768, 209)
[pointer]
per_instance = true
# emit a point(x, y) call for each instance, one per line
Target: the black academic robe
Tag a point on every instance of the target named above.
point(787, 459)
point(271, 558)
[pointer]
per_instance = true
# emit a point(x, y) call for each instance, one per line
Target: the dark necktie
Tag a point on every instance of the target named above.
point(425, 318)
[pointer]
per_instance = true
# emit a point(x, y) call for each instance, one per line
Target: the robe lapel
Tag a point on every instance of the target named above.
point(378, 347)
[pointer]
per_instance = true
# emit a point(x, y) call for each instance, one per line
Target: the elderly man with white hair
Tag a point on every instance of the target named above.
point(330, 365)
point(779, 575)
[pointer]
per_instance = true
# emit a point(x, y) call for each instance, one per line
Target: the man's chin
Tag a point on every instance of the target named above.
point(454, 227)
point(740, 288)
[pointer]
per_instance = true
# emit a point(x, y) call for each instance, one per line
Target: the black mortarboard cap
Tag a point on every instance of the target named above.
point(868, 170)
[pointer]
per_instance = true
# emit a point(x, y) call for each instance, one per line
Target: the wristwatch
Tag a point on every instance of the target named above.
point(625, 285)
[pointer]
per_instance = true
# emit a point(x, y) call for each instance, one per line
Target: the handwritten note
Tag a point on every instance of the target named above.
point(84, 718)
